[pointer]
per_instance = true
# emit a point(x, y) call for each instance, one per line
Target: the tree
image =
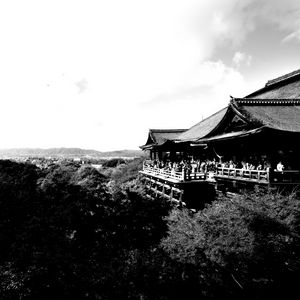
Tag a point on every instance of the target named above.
point(253, 238)
point(128, 172)
point(114, 162)
point(64, 236)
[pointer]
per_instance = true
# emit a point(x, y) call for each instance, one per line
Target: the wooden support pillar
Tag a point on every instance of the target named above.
point(269, 176)
point(180, 198)
point(150, 187)
point(156, 190)
point(159, 155)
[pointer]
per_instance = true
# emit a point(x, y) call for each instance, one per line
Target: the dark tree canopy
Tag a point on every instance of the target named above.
point(114, 162)
point(65, 233)
point(254, 238)
point(60, 230)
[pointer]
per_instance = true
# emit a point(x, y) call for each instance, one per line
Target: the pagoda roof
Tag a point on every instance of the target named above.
point(275, 107)
point(157, 137)
point(204, 127)
point(283, 87)
point(232, 135)
point(278, 114)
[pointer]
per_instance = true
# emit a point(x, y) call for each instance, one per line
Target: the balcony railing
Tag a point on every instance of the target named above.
point(184, 175)
point(285, 177)
point(162, 172)
point(242, 174)
point(259, 176)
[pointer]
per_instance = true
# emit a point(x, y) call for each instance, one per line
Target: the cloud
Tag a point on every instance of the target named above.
point(240, 58)
point(204, 92)
point(286, 15)
point(231, 21)
point(294, 36)
point(82, 85)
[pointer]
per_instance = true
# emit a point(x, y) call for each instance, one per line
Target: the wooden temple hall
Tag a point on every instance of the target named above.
point(252, 141)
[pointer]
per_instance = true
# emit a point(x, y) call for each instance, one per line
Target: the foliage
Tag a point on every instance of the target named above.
point(58, 174)
point(63, 234)
point(140, 220)
point(112, 163)
point(153, 274)
point(128, 172)
point(253, 237)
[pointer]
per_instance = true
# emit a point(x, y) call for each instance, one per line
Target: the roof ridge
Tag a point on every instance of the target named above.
point(208, 117)
point(261, 101)
point(166, 130)
point(283, 77)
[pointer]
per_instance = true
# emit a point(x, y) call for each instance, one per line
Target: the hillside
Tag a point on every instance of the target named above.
point(66, 152)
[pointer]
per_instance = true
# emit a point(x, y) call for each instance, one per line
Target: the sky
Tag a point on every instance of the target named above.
point(97, 74)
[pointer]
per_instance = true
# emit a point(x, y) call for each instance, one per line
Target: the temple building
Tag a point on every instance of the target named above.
point(253, 139)
point(160, 140)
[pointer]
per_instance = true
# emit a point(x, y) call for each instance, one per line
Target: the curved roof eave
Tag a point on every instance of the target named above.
point(204, 127)
point(279, 114)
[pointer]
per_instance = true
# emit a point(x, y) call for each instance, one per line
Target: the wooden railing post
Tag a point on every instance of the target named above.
point(150, 187)
point(180, 198)
point(269, 178)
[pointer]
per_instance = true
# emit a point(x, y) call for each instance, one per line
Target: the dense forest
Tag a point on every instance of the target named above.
point(69, 231)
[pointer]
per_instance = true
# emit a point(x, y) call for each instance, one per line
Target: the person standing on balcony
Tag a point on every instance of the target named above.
point(280, 167)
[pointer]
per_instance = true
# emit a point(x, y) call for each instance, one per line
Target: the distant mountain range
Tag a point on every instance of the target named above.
point(67, 152)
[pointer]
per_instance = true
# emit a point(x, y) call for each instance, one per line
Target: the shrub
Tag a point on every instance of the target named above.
point(254, 238)
point(62, 235)
point(114, 162)
point(127, 172)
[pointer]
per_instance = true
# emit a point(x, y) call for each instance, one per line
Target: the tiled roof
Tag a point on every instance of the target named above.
point(204, 127)
point(283, 77)
point(283, 87)
point(157, 137)
point(231, 135)
point(279, 114)
point(276, 106)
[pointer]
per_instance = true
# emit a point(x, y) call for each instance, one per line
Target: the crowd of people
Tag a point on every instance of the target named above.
point(207, 165)
point(188, 165)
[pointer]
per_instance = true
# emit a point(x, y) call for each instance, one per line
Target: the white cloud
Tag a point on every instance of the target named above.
point(240, 58)
point(204, 92)
point(231, 21)
point(82, 85)
point(294, 36)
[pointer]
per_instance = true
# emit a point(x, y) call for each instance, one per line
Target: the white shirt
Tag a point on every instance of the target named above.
point(280, 167)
